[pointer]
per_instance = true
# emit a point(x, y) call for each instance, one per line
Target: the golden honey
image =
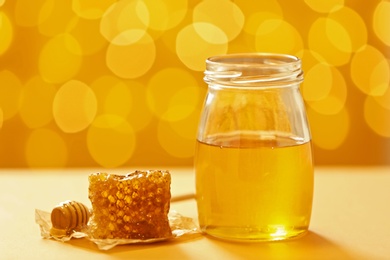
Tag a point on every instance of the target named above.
point(250, 188)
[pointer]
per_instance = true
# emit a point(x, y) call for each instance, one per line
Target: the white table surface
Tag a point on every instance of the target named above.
point(350, 219)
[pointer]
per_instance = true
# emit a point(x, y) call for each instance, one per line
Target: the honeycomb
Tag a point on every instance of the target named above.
point(132, 206)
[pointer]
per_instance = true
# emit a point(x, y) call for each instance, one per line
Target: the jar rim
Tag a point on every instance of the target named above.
point(263, 59)
point(253, 69)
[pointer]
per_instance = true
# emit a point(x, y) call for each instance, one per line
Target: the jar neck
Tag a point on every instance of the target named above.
point(253, 70)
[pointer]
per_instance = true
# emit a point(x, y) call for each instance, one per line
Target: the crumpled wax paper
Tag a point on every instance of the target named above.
point(181, 226)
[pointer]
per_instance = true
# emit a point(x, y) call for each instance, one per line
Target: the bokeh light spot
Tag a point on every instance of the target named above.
point(384, 100)
point(193, 48)
point(1, 118)
point(320, 41)
point(267, 10)
point(334, 101)
point(338, 35)
point(56, 17)
point(60, 59)
point(324, 131)
point(166, 14)
point(381, 21)
point(118, 100)
point(126, 99)
point(129, 37)
point(10, 89)
point(91, 9)
point(187, 127)
point(377, 117)
point(37, 102)
point(46, 148)
point(256, 19)
point(275, 30)
point(370, 71)
point(123, 16)
point(210, 33)
point(169, 99)
point(74, 106)
point(216, 12)
point(318, 82)
point(247, 7)
point(348, 30)
point(181, 133)
point(158, 11)
point(6, 33)
point(111, 140)
point(327, 6)
point(310, 59)
point(329, 105)
point(106, 89)
point(329, 100)
point(140, 114)
point(380, 78)
point(131, 60)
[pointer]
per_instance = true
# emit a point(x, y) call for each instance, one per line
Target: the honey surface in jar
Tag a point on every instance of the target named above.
point(262, 192)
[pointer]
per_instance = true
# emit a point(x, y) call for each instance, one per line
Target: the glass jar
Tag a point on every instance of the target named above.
point(253, 159)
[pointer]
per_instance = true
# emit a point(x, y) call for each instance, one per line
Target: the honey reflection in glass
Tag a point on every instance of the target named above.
point(254, 187)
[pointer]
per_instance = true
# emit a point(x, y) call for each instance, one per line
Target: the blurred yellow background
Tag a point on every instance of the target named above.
point(120, 83)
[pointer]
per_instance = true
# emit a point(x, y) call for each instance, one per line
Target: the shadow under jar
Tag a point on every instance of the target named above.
point(253, 159)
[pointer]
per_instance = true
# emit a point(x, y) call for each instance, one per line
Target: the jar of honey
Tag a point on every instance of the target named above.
point(253, 159)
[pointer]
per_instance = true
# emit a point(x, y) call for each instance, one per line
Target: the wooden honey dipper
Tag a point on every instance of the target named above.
point(67, 217)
